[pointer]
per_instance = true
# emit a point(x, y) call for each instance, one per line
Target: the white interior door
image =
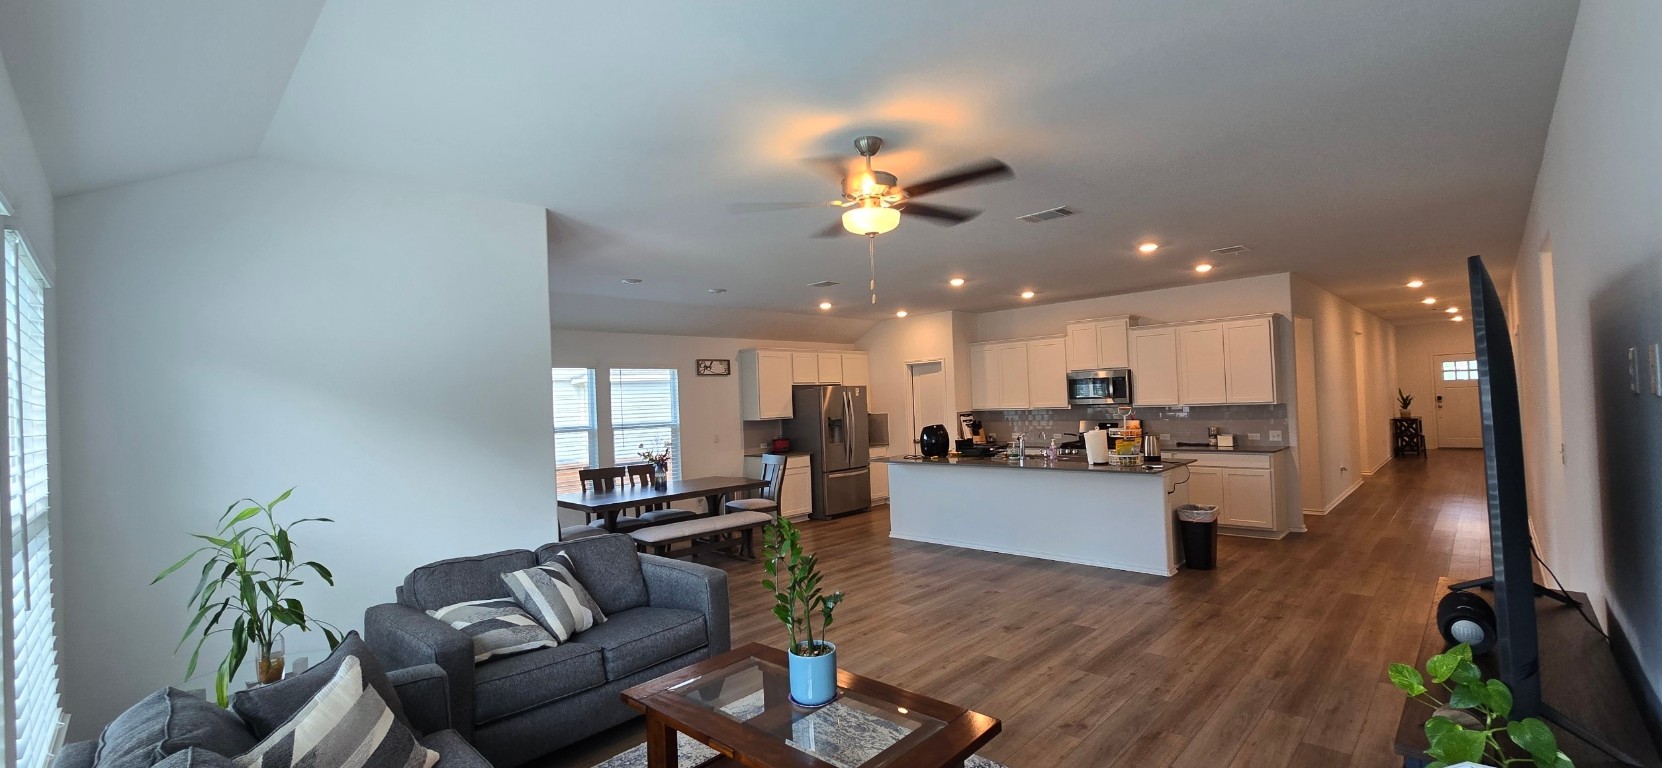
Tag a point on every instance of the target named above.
point(928, 402)
point(1458, 421)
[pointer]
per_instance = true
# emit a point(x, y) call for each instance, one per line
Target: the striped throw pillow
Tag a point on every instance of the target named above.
point(345, 725)
point(498, 627)
point(555, 598)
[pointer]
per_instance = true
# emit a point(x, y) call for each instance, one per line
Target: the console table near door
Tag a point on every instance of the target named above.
point(1579, 677)
point(1407, 436)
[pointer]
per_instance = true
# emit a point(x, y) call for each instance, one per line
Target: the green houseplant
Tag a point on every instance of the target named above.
point(793, 577)
point(246, 579)
point(1403, 401)
point(1467, 727)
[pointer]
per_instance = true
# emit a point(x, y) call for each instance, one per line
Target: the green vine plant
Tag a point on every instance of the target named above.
point(1467, 727)
point(246, 579)
point(798, 599)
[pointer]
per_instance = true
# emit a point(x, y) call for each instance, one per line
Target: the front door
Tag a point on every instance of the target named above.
point(1459, 424)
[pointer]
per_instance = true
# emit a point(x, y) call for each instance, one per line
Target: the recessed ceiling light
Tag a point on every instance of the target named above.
point(632, 281)
point(1415, 283)
point(1027, 294)
point(1429, 300)
point(1452, 310)
point(825, 305)
point(1149, 247)
point(1203, 268)
point(956, 282)
point(718, 290)
point(900, 313)
point(1458, 319)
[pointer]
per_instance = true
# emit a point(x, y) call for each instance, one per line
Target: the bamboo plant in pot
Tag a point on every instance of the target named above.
point(243, 591)
point(794, 579)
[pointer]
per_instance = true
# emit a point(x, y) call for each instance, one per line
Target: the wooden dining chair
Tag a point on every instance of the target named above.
point(644, 476)
point(773, 473)
point(607, 480)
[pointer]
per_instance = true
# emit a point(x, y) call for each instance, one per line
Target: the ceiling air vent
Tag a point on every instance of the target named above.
point(824, 284)
point(1059, 212)
point(1232, 250)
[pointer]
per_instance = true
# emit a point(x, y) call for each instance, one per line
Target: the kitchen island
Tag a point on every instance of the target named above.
point(1067, 510)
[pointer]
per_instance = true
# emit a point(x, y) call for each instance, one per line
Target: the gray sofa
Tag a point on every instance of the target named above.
point(661, 614)
point(174, 729)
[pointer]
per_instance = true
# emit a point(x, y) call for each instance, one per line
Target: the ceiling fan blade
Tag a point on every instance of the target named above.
point(765, 207)
point(975, 173)
point(833, 167)
point(943, 215)
point(832, 230)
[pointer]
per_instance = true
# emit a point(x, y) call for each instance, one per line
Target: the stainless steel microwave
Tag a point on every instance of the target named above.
point(1106, 386)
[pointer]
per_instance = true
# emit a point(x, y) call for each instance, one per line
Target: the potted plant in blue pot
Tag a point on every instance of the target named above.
point(794, 579)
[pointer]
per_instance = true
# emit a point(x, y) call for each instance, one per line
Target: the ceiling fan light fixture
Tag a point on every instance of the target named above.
point(871, 219)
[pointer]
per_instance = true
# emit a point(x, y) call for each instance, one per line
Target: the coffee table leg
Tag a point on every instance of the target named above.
point(660, 743)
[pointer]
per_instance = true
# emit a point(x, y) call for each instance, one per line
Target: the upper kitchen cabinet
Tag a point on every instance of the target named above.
point(1223, 362)
point(830, 368)
point(1201, 375)
point(1154, 379)
point(1093, 344)
point(1047, 373)
point(1249, 360)
point(856, 369)
point(1014, 375)
point(765, 378)
point(804, 367)
point(982, 373)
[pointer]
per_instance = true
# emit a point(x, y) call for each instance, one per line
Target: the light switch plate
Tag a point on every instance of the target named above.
point(1254, 436)
point(1275, 435)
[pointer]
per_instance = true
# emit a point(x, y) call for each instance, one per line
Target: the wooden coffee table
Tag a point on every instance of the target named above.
point(739, 704)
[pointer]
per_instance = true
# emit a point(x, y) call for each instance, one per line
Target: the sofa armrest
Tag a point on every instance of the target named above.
point(680, 584)
point(405, 637)
point(76, 754)
point(425, 693)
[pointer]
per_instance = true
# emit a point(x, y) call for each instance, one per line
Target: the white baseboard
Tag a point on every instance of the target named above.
point(1381, 465)
point(1248, 533)
point(1336, 502)
point(1034, 554)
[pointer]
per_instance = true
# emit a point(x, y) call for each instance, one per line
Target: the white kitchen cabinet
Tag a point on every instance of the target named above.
point(1047, 373)
point(1249, 360)
point(1206, 486)
point(856, 369)
point(1154, 379)
point(830, 368)
point(796, 493)
point(1012, 375)
point(1093, 344)
point(982, 372)
point(804, 368)
point(1248, 499)
point(1201, 366)
point(765, 378)
point(879, 474)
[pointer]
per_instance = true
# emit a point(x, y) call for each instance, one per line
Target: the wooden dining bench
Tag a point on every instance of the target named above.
point(702, 534)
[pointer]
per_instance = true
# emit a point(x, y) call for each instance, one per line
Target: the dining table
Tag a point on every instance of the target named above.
point(609, 504)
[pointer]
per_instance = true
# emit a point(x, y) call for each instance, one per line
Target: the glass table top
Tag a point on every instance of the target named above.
point(851, 732)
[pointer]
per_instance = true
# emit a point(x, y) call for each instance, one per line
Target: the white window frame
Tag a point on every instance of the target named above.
point(673, 424)
point(591, 429)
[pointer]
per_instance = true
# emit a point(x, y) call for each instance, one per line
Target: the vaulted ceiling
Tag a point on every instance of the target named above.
point(1357, 143)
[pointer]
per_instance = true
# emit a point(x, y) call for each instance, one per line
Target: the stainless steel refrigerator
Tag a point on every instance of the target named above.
point(830, 423)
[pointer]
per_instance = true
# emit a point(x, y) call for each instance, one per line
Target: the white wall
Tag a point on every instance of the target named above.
point(1417, 373)
point(1355, 362)
point(892, 344)
point(711, 431)
point(235, 331)
point(1598, 210)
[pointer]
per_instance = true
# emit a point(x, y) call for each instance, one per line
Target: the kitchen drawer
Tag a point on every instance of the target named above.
point(1225, 460)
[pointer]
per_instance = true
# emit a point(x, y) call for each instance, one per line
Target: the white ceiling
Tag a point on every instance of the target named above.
point(1357, 143)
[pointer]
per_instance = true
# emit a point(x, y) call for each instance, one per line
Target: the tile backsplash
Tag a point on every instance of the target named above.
point(1183, 425)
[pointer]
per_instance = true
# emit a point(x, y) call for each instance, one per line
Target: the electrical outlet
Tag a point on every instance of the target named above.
point(1275, 435)
point(717, 441)
point(1254, 436)
point(1165, 437)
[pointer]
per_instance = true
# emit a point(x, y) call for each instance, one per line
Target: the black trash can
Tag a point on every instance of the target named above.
point(1199, 524)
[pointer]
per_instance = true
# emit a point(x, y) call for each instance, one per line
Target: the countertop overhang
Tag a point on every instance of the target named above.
point(1034, 463)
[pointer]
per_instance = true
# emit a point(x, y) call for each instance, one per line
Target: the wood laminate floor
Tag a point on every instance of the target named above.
point(1277, 658)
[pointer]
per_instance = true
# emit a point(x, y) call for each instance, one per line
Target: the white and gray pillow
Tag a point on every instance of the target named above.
point(346, 725)
point(553, 596)
point(498, 627)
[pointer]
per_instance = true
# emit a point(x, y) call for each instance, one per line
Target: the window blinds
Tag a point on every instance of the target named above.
point(646, 415)
point(574, 426)
point(31, 669)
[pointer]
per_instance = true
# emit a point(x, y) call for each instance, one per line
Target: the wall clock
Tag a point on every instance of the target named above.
point(712, 367)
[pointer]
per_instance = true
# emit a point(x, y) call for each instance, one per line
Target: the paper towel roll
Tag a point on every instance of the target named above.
point(1097, 449)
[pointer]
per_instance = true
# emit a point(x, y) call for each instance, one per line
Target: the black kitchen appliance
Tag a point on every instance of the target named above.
point(933, 441)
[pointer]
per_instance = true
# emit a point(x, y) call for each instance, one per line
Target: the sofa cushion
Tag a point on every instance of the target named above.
point(555, 598)
point(269, 706)
point(165, 723)
point(505, 686)
point(608, 566)
point(635, 639)
point(345, 725)
point(463, 579)
point(196, 758)
point(454, 751)
point(496, 627)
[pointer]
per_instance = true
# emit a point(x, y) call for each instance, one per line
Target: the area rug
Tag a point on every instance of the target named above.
point(692, 754)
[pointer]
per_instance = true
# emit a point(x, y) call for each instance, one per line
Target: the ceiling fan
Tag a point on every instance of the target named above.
point(873, 200)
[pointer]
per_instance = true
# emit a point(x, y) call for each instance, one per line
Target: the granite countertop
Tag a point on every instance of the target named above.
point(1061, 465)
point(1168, 448)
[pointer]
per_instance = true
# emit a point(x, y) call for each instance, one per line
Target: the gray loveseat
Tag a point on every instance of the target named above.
point(661, 614)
